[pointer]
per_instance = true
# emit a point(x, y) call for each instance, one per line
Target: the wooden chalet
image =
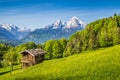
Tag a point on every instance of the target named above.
point(31, 57)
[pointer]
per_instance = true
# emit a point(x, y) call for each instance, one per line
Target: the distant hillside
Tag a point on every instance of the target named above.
point(102, 64)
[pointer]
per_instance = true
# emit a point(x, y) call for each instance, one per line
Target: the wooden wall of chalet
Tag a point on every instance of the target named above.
point(29, 60)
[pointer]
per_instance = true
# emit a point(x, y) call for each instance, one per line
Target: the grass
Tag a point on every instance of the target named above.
point(102, 64)
point(8, 69)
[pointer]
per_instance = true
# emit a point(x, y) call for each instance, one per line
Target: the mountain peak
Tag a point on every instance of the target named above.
point(75, 22)
point(57, 24)
point(75, 18)
point(9, 27)
point(16, 31)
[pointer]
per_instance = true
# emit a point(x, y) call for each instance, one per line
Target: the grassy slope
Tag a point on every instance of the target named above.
point(102, 64)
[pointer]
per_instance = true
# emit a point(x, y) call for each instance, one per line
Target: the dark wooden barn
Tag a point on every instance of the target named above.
point(31, 57)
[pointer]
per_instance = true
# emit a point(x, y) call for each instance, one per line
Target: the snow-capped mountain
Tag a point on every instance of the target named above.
point(19, 33)
point(75, 22)
point(6, 35)
point(57, 25)
point(56, 30)
point(9, 27)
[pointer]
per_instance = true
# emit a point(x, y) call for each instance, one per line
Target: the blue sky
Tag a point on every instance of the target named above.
point(39, 13)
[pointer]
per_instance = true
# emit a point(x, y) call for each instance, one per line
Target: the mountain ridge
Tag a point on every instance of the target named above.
point(18, 33)
point(56, 30)
point(74, 22)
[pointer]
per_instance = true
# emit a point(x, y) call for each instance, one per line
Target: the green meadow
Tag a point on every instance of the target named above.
point(101, 64)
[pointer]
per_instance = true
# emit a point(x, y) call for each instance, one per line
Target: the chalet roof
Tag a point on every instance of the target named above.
point(35, 52)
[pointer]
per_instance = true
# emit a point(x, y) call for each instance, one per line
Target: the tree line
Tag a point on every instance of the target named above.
point(100, 33)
